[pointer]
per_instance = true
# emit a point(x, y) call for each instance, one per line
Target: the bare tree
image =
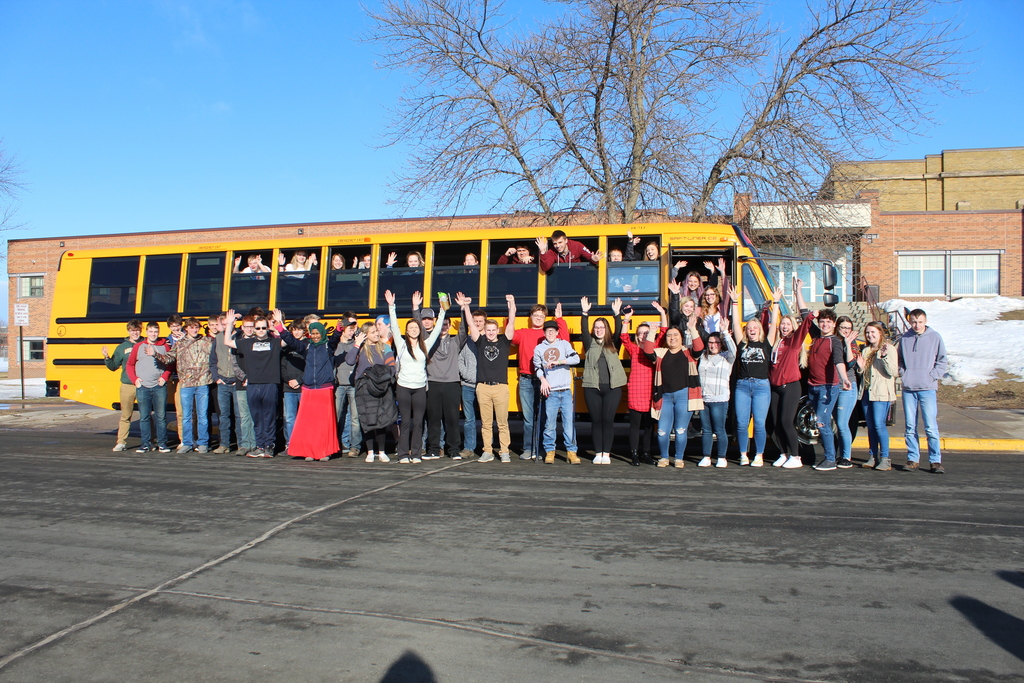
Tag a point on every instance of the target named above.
point(620, 106)
point(10, 188)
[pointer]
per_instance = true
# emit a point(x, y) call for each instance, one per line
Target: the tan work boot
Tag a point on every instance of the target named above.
point(549, 458)
point(573, 460)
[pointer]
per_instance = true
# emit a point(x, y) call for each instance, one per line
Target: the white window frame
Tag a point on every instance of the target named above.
point(25, 342)
point(27, 277)
point(947, 256)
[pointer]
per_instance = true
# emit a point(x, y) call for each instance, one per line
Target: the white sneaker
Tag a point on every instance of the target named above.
point(793, 462)
point(120, 447)
point(721, 462)
point(505, 457)
point(744, 460)
point(607, 458)
point(369, 457)
point(704, 462)
point(416, 461)
point(403, 461)
point(758, 461)
point(781, 460)
point(383, 458)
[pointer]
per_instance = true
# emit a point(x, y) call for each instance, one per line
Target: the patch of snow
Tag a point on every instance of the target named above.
point(10, 389)
point(3, 364)
point(977, 345)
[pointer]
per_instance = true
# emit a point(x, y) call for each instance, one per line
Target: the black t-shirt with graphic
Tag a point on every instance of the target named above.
point(754, 360)
point(492, 359)
point(262, 359)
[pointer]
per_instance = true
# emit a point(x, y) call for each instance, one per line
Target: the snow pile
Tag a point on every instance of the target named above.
point(976, 343)
point(3, 364)
point(10, 389)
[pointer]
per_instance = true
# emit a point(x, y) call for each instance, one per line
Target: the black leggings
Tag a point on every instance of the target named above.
point(412, 404)
point(640, 421)
point(375, 439)
point(781, 415)
point(602, 404)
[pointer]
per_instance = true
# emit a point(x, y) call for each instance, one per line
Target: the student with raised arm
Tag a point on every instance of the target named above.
point(262, 357)
point(784, 379)
point(677, 393)
point(412, 380)
point(603, 377)
point(492, 350)
point(564, 250)
point(826, 374)
point(119, 361)
point(315, 435)
point(640, 384)
point(753, 394)
point(192, 357)
point(526, 340)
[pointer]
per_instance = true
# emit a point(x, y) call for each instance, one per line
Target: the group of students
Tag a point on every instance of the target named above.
point(362, 383)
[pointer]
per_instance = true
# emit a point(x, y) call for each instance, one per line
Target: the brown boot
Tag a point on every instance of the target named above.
point(549, 458)
point(573, 460)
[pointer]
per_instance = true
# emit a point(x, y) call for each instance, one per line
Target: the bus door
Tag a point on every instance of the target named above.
point(695, 258)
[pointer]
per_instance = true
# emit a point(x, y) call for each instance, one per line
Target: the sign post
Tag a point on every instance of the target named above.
point(21, 319)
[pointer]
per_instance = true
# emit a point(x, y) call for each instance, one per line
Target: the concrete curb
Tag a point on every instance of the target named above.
point(953, 443)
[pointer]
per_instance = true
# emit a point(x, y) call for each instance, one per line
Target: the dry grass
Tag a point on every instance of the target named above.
point(1002, 392)
point(1012, 315)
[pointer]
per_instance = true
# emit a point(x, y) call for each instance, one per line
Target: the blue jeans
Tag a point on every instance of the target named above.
point(195, 404)
point(674, 416)
point(923, 402)
point(529, 401)
point(844, 409)
point(752, 395)
point(712, 421)
point(226, 402)
point(290, 400)
point(348, 420)
point(560, 402)
point(152, 400)
point(469, 412)
point(875, 413)
point(823, 400)
point(246, 429)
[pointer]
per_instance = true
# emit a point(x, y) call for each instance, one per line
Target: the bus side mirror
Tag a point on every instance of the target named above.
point(829, 278)
point(829, 299)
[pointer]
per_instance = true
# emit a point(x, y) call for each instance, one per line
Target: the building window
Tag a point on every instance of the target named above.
point(30, 286)
point(975, 274)
point(31, 350)
point(922, 275)
point(949, 274)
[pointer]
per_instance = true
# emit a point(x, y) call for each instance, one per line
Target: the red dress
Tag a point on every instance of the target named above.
point(641, 374)
point(315, 434)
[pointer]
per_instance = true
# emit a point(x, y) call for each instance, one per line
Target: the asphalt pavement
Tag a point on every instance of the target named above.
point(119, 566)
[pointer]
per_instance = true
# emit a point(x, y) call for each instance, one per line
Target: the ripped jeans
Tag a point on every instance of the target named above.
point(674, 416)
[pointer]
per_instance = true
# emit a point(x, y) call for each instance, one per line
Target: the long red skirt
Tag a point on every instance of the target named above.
point(315, 434)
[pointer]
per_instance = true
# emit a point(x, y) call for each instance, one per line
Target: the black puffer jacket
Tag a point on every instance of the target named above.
point(375, 398)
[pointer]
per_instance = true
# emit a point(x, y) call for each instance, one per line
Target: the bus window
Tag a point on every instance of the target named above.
point(348, 281)
point(513, 270)
point(112, 286)
point(456, 268)
point(567, 282)
point(633, 279)
point(160, 284)
point(204, 283)
point(298, 282)
point(646, 249)
point(405, 275)
point(753, 297)
point(250, 280)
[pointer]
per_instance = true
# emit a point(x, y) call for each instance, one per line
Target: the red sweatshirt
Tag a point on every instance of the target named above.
point(577, 253)
point(786, 365)
point(527, 338)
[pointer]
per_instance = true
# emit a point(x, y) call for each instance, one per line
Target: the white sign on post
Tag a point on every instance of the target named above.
point(21, 315)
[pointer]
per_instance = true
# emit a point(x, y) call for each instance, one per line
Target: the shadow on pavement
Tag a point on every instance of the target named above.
point(409, 668)
point(1016, 578)
point(1003, 629)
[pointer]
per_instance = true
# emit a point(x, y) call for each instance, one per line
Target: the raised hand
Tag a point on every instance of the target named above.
point(238, 261)
point(733, 294)
point(681, 264)
point(511, 301)
point(598, 255)
point(777, 294)
point(105, 351)
point(710, 265)
point(657, 306)
point(392, 258)
point(149, 350)
point(389, 296)
point(558, 310)
point(355, 261)
point(461, 300)
point(627, 315)
point(281, 260)
point(278, 316)
point(798, 284)
point(360, 338)
point(312, 259)
point(417, 299)
point(631, 238)
point(542, 244)
point(585, 304)
point(616, 305)
point(674, 287)
point(721, 266)
point(511, 251)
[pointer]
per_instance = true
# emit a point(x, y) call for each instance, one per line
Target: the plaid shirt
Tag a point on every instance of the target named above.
point(641, 373)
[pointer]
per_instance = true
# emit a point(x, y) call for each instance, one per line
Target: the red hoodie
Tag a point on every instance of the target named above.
point(577, 253)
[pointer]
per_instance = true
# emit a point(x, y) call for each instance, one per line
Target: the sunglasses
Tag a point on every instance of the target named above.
point(261, 327)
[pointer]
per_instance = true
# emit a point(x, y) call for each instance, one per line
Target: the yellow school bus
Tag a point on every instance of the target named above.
point(99, 290)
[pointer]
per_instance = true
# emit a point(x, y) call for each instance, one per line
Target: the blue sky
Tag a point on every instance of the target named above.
point(160, 114)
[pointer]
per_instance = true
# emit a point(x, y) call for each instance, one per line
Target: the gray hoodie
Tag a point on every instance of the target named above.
point(922, 360)
point(443, 356)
